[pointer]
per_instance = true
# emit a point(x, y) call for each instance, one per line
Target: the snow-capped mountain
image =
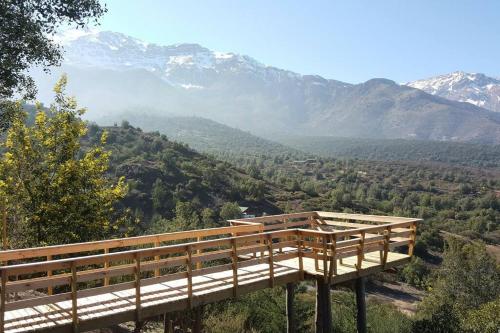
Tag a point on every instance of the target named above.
point(112, 74)
point(474, 88)
point(190, 66)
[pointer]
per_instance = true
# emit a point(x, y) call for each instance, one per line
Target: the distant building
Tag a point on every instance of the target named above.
point(308, 161)
point(246, 212)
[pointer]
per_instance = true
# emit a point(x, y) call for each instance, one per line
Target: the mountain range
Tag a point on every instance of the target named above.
point(474, 88)
point(112, 74)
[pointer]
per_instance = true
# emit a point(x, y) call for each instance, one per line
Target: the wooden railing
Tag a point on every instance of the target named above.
point(102, 267)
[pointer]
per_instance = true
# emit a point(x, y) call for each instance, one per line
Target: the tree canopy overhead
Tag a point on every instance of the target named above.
point(25, 30)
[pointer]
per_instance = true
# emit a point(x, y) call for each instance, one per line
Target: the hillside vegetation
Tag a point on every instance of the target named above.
point(162, 173)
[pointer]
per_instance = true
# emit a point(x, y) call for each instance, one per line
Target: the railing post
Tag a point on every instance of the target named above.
point(333, 260)
point(234, 257)
point(285, 228)
point(157, 259)
point(413, 237)
point(137, 273)
point(361, 249)
point(50, 289)
point(271, 262)
point(261, 231)
point(198, 264)
point(325, 259)
point(74, 297)
point(300, 254)
point(189, 276)
point(3, 299)
point(106, 266)
point(5, 240)
point(387, 239)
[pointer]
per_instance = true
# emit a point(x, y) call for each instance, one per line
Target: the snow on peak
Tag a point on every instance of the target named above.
point(474, 88)
point(189, 66)
point(223, 55)
point(66, 36)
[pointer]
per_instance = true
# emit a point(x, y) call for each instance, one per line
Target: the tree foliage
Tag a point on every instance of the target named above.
point(25, 30)
point(468, 278)
point(57, 192)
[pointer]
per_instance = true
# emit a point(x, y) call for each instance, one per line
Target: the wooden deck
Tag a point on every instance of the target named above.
point(74, 288)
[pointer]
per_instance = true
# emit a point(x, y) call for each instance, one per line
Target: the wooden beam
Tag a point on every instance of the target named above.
point(360, 305)
point(290, 311)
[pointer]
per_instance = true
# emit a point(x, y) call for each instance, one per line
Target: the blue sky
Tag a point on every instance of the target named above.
point(349, 40)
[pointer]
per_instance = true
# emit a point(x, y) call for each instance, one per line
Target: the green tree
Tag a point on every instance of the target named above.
point(160, 197)
point(58, 192)
point(208, 218)
point(186, 217)
point(230, 210)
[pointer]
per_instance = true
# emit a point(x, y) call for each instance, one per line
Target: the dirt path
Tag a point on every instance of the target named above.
point(401, 295)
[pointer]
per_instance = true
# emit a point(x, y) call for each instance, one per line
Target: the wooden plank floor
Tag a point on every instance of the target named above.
point(111, 308)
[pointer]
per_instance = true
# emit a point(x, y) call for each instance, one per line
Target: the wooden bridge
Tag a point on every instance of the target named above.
point(85, 286)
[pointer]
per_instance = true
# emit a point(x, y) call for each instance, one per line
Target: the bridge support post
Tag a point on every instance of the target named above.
point(319, 307)
point(361, 305)
point(198, 316)
point(138, 326)
point(168, 324)
point(290, 312)
point(323, 307)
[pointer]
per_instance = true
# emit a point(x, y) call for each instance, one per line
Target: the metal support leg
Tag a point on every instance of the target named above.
point(319, 305)
point(290, 313)
point(198, 315)
point(361, 305)
point(323, 307)
point(327, 313)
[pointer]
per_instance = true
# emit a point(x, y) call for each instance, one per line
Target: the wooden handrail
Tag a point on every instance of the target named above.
point(121, 242)
point(149, 265)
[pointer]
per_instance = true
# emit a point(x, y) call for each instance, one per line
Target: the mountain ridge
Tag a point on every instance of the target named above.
point(111, 72)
